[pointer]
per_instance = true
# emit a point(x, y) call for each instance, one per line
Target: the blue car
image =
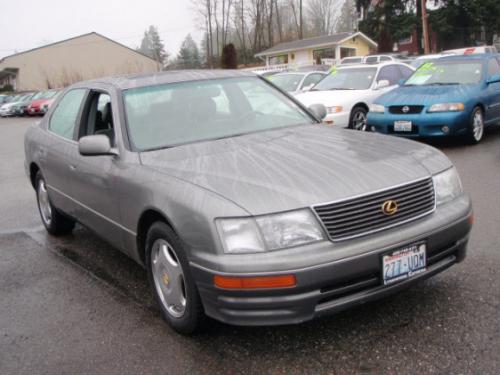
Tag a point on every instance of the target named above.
point(452, 96)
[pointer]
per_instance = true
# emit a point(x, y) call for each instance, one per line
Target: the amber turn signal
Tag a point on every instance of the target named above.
point(260, 282)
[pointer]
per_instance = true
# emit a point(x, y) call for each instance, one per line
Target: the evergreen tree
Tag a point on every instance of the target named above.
point(189, 54)
point(152, 46)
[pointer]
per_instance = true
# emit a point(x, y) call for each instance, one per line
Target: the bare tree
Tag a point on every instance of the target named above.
point(323, 15)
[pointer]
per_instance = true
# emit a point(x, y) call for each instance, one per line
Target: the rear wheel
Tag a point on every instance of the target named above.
point(358, 119)
point(55, 223)
point(170, 278)
point(475, 130)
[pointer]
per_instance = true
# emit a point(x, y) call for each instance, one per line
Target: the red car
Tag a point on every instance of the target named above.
point(42, 102)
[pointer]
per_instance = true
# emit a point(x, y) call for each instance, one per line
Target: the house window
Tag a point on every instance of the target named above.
point(326, 53)
point(347, 52)
point(280, 59)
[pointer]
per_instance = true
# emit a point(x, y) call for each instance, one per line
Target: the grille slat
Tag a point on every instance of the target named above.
point(363, 215)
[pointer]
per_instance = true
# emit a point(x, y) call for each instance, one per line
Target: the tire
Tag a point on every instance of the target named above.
point(475, 129)
point(171, 281)
point(54, 222)
point(358, 119)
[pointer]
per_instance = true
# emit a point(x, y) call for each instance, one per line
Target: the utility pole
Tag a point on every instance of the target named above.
point(301, 30)
point(425, 27)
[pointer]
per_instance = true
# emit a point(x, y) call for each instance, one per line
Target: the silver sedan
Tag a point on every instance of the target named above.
point(238, 202)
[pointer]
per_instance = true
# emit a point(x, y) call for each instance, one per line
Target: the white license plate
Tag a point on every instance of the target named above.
point(402, 126)
point(404, 263)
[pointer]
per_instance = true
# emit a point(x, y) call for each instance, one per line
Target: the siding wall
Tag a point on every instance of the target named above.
point(86, 57)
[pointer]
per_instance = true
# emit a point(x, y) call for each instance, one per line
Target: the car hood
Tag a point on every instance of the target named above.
point(9, 105)
point(331, 98)
point(296, 167)
point(39, 102)
point(427, 95)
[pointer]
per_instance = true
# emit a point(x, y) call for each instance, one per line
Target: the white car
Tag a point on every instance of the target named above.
point(296, 82)
point(348, 91)
point(472, 50)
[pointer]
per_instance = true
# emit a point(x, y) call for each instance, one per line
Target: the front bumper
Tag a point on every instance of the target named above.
point(337, 119)
point(352, 279)
point(423, 125)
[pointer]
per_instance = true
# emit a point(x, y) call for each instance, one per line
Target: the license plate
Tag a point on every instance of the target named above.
point(402, 126)
point(404, 263)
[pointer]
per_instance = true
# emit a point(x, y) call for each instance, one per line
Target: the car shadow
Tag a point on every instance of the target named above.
point(491, 134)
point(399, 317)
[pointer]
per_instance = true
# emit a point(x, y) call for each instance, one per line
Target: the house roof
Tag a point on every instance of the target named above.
point(73, 38)
point(319, 41)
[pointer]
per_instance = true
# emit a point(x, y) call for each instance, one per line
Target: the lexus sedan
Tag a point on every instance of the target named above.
point(450, 96)
point(348, 91)
point(238, 202)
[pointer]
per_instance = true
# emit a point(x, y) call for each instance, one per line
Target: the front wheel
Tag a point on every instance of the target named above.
point(55, 223)
point(475, 130)
point(170, 278)
point(358, 119)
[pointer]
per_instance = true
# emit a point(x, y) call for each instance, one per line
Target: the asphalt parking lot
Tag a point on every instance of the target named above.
point(74, 305)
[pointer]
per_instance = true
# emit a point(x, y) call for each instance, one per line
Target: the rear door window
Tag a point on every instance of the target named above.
point(65, 116)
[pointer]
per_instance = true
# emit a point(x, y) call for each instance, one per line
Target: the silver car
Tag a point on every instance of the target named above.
point(238, 202)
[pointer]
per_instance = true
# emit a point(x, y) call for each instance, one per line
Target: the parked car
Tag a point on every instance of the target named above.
point(351, 60)
point(456, 96)
point(472, 50)
point(41, 103)
point(421, 60)
point(348, 91)
point(375, 59)
point(10, 108)
point(20, 108)
point(238, 203)
point(296, 82)
point(4, 99)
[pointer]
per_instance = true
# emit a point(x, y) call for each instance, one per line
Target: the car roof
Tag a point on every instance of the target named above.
point(374, 65)
point(477, 56)
point(128, 81)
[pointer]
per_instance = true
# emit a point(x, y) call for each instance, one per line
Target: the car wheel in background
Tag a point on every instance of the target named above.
point(170, 279)
point(358, 119)
point(475, 130)
point(55, 223)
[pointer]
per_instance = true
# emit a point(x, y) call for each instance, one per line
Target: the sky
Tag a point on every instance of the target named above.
point(29, 24)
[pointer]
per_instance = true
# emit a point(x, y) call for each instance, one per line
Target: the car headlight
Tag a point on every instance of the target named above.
point(269, 232)
point(377, 108)
point(447, 107)
point(447, 186)
point(334, 109)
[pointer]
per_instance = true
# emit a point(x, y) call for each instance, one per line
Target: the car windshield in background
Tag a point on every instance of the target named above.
point(446, 73)
point(347, 79)
point(178, 113)
point(287, 82)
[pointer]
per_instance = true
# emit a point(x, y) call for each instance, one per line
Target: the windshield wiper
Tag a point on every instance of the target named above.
point(444, 83)
point(341, 88)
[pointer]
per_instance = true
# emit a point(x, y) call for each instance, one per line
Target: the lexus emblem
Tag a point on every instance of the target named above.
point(390, 207)
point(405, 109)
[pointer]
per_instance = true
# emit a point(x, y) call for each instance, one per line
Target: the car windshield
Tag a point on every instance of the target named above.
point(347, 79)
point(179, 113)
point(38, 95)
point(48, 94)
point(287, 82)
point(446, 73)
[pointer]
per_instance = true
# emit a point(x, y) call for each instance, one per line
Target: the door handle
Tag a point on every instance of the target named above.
point(72, 167)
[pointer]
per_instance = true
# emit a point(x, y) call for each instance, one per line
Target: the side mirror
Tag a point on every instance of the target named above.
point(401, 82)
point(318, 110)
point(493, 79)
point(382, 84)
point(95, 145)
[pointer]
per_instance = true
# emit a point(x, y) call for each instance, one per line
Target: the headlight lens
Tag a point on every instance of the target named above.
point(447, 186)
point(269, 232)
point(334, 109)
point(377, 108)
point(447, 107)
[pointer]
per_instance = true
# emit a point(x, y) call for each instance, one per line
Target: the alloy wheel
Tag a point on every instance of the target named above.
point(44, 203)
point(168, 278)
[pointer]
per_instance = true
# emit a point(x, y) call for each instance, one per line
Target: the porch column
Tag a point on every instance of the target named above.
point(337, 54)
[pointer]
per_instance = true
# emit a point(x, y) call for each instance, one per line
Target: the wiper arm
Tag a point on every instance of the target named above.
point(444, 83)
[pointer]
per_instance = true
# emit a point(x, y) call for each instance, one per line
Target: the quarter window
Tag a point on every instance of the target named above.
point(493, 67)
point(390, 73)
point(64, 118)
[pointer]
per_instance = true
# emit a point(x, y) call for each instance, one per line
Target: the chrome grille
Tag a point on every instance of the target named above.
point(362, 215)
